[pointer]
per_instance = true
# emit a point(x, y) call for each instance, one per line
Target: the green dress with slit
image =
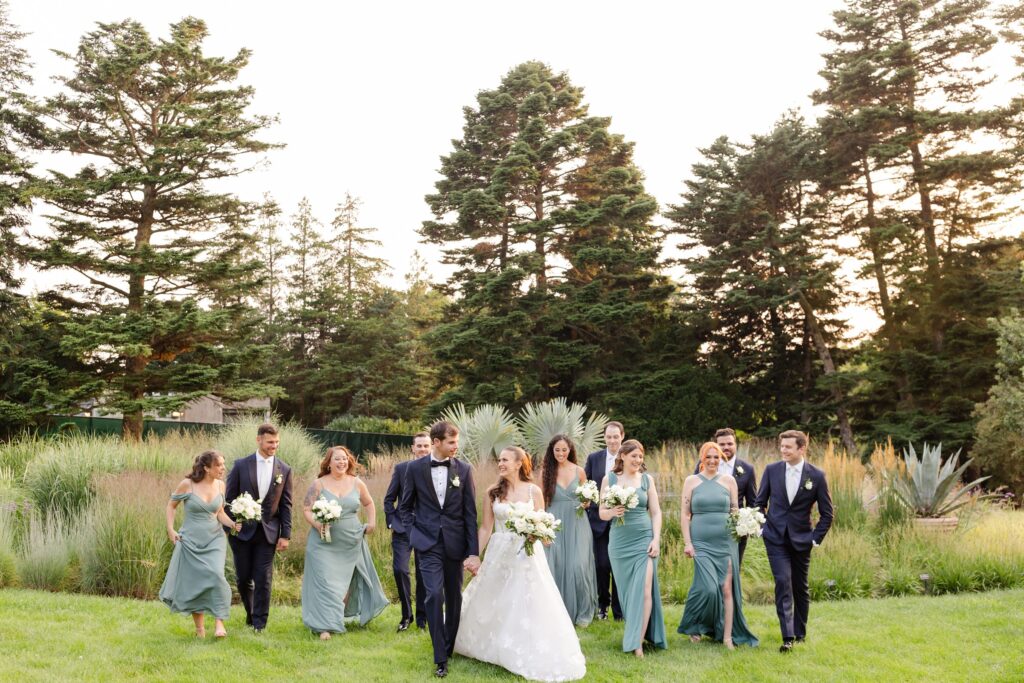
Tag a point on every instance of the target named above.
point(715, 551)
point(195, 582)
point(339, 581)
point(627, 550)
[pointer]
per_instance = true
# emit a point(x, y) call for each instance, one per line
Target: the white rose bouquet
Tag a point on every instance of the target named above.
point(745, 522)
point(624, 496)
point(245, 509)
point(325, 511)
point(532, 525)
point(587, 493)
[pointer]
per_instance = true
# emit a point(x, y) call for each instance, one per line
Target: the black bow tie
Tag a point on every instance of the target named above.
point(440, 463)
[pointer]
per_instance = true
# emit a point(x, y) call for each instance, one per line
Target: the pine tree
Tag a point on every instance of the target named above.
point(352, 243)
point(155, 247)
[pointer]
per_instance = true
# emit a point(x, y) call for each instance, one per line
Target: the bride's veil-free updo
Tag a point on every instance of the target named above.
point(499, 490)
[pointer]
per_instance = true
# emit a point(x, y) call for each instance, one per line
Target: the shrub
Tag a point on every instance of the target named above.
point(375, 425)
point(60, 479)
point(844, 566)
point(124, 548)
point(846, 476)
point(8, 560)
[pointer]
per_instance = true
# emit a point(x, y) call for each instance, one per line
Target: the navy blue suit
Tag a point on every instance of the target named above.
point(401, 551)
point(595, 471)
point(254, 547)
point(788, 538)
point(746, 483)
point(443, 537)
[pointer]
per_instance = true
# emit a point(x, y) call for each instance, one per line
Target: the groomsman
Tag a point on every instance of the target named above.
point(400, 548)
point(598, 465)
point(266, 478)
point(789, 489)
point(740, 470)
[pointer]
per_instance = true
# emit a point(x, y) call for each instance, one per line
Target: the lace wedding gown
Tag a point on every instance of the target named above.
point(513, 614)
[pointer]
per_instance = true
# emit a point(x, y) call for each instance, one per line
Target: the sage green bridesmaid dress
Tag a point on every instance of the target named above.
point(715, 550)
point(195, 580)
point(571, 556)
point(627, 550)
point(340, 570)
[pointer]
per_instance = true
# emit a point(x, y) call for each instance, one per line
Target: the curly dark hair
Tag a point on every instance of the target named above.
point(199, 465)
point(550, 475)
point(325, 463)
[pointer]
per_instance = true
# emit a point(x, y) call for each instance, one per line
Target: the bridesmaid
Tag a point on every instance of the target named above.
point(571, 555)
point(633, 550)
point(339, 581)
point(714, 605)
point(195, 580)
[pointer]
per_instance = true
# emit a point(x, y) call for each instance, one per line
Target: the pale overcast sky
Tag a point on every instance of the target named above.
point(370, 94)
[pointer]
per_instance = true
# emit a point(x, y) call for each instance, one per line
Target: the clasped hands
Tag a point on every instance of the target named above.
point(471, 564)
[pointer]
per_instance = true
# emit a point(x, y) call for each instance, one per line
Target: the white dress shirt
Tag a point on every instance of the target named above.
point(439, 475)
point(726, 466)
point(793, 473)
point(264, 473)
point(609, 463)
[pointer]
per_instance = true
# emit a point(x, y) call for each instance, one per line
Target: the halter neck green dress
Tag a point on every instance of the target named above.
point(715, 550)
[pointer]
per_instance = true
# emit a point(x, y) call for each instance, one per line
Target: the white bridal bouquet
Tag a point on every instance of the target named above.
point(621, 495)
point(745, 522)
point(587, 493)
point(532, 525)
point(245, 509)
point(325, 511)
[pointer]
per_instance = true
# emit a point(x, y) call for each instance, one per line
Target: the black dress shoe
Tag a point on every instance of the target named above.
point(403, 625)
point(801, 639)
point(787, 646)
point(602, 615)
point(617, 617)
point(421, 625)
point(442, 670)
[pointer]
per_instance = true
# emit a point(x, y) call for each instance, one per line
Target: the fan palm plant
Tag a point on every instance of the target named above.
point(484, 431)
point(540, 422)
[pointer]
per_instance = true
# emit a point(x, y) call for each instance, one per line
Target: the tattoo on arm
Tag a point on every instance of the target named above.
point(310, 496)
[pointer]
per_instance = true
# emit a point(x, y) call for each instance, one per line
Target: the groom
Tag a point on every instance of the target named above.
point(265, 477)
point(789, 489)
point(438, 511)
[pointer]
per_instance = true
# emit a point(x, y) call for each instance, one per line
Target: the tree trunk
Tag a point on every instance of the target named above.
point(845, 432)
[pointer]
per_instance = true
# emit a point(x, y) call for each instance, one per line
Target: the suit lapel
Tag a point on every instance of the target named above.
point(254, 481)
point(779, 483)
point(428, 473)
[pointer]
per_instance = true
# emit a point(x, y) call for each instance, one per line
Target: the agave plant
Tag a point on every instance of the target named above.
point(484, 431)
point(929, 486)
point(540, 422)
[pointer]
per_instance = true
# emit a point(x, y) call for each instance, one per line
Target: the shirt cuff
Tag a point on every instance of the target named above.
point(814, 544)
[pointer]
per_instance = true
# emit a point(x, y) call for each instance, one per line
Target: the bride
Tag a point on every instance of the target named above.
point(512, 612)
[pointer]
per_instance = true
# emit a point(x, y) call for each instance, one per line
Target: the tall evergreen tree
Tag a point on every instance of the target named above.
point(153, 244)
point(358, 269)
point(536, 201)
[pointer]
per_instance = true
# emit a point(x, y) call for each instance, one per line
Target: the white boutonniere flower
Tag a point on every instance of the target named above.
point(279, 479)
point(739, 469)
point(808, 485)
point(455, 481)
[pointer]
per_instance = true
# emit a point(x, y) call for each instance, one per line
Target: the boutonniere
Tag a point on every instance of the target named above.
point(808, 485)
point(279, 479)
point(739, 469)
point(455, 481)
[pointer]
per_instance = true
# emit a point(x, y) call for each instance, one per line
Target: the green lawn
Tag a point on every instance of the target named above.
point(51, 636)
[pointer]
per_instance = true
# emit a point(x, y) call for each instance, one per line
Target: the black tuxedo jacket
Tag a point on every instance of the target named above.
point(277, 505)
point(794, 519)
point(595, 471)
point(428, 522)
point(746, 481)
point(392, 496)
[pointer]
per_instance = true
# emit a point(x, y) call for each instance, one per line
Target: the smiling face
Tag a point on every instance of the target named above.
point(728, 445)
point(633, 461)
point(217, 469)
point(712, 458)
point(613, 438)
point(267, 444)
point(508, 465)
point(339, 463)
point(445, 448)
point(420, 446)
point(561, 451)
point(791, 453)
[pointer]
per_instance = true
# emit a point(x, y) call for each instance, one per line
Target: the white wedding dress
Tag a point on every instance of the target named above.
point(513, 614)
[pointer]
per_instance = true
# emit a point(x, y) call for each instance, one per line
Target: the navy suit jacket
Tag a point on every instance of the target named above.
point(595, 471)
point(427, 522)
point(794, 519)
point(391, 498)
point(277, 505)
point(746, 481)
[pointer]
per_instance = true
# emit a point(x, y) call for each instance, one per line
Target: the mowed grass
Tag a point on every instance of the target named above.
point(966, 637)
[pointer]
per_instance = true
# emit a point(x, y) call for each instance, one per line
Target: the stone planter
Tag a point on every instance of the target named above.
point(937, 525)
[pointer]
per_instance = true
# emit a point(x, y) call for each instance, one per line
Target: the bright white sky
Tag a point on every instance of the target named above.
point(370, 94)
